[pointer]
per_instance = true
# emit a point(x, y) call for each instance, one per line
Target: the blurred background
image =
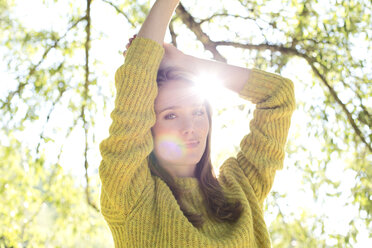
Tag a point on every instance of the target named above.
point(57, 65)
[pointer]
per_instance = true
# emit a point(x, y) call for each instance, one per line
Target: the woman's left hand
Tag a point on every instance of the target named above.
point(172, 57)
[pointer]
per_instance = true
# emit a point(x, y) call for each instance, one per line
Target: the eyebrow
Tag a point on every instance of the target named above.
point(177, 107)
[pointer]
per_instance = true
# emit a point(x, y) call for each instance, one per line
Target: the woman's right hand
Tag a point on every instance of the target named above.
point(128, 45)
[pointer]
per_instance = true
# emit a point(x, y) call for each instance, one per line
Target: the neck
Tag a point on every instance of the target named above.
point(179, 170)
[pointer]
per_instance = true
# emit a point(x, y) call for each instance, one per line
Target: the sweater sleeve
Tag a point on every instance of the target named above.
point(262, 150)
point(123, 170)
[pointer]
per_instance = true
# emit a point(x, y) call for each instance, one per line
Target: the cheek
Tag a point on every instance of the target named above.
point(164, 127)
point(203, 125)
point(168, 145)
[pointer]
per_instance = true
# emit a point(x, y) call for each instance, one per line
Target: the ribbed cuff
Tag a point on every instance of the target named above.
point(260, 86)
point(145, 53)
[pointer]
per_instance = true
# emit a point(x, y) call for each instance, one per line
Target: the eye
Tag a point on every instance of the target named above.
point(199, 112)
point(170, 116)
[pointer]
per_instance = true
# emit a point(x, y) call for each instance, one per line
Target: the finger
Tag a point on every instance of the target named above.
point(134, 36)
point(130, 42)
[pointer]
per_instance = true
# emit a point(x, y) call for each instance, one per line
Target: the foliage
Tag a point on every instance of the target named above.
point(59, 88)
point(43, 206)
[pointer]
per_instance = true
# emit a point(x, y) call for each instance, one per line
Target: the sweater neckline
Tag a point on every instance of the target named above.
point(187, 182)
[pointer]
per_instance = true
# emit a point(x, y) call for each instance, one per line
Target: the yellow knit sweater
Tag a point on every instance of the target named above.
point(141, 210)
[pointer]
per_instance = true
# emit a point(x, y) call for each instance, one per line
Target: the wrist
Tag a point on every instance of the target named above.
point(189, 63)
point(175, 2)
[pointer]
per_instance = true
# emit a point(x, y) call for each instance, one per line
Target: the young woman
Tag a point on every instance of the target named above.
point(158, 185)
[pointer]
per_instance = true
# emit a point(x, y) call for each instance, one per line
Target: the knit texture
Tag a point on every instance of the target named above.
point(141, 210)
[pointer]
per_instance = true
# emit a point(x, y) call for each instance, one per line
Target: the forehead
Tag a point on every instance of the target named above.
point(177, 93)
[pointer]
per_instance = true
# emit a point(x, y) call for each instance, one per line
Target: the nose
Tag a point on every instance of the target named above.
point(188, 126)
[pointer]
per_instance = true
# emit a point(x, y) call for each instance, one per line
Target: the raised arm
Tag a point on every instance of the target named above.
point(232, 77)
point(123, 170)
point(157, 20)
point(262, 150)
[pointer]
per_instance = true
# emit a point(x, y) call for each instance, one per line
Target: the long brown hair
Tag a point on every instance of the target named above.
point(217, 204)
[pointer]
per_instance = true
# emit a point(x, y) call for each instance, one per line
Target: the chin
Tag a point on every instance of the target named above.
point(187, 160)
point(193, 160)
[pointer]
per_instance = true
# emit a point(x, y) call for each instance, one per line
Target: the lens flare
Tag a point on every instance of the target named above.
point(210, 87)
point(171, 147)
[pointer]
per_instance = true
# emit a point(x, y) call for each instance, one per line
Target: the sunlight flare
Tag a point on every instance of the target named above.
point(172, 147)
point(209, 87)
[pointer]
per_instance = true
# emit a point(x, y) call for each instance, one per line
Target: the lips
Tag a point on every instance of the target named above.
point(192, 143)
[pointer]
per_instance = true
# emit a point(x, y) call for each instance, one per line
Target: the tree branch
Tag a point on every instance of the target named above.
point(225, 14)
point(173, 33)
point(34, 68)
point(210, 45)
point(120, 12)
point(83, 107)
point(343, 106)
point(365, 110)
point(259, 47)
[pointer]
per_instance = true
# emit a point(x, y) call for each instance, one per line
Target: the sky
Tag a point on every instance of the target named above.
point(107, 49)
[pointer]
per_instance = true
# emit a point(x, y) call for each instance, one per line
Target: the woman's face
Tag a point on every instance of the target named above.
point(181, 128)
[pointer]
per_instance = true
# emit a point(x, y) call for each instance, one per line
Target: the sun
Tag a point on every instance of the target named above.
point(212, 88)
point(209, 86)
